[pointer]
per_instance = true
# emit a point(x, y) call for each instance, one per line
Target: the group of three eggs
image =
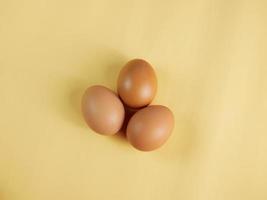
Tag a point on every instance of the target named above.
point(148, 126)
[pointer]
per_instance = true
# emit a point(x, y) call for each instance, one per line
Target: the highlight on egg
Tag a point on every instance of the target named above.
point(137, 83)
point(102, 110)
point(150, 127)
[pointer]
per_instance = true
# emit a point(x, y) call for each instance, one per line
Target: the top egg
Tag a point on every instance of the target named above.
point(137, 83)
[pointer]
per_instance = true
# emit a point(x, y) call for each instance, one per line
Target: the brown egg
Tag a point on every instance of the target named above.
point(137, 83)
point(150, 127)
point(102, 110)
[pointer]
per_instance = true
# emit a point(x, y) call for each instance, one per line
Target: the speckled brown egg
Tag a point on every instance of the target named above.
point(137, 83)
point(102, 110)
point(150, 127)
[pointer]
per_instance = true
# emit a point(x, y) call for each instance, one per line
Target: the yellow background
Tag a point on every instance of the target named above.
point(210, 59)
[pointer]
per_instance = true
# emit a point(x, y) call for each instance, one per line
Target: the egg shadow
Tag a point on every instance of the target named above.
point(129, 112)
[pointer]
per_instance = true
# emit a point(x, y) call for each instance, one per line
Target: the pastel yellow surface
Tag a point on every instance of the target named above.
point(210, 59)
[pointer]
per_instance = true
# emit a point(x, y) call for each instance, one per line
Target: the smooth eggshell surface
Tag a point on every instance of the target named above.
point(137, 83)
point(150, 127)
point(102, 110)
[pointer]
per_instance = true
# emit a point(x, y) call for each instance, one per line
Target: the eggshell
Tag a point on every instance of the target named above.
point(137, 83)
point(150, 127)
point(102, 110)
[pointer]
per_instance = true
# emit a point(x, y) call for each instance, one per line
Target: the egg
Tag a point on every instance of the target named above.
point(150, 127)
point(137, 83)
point(102, 110)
